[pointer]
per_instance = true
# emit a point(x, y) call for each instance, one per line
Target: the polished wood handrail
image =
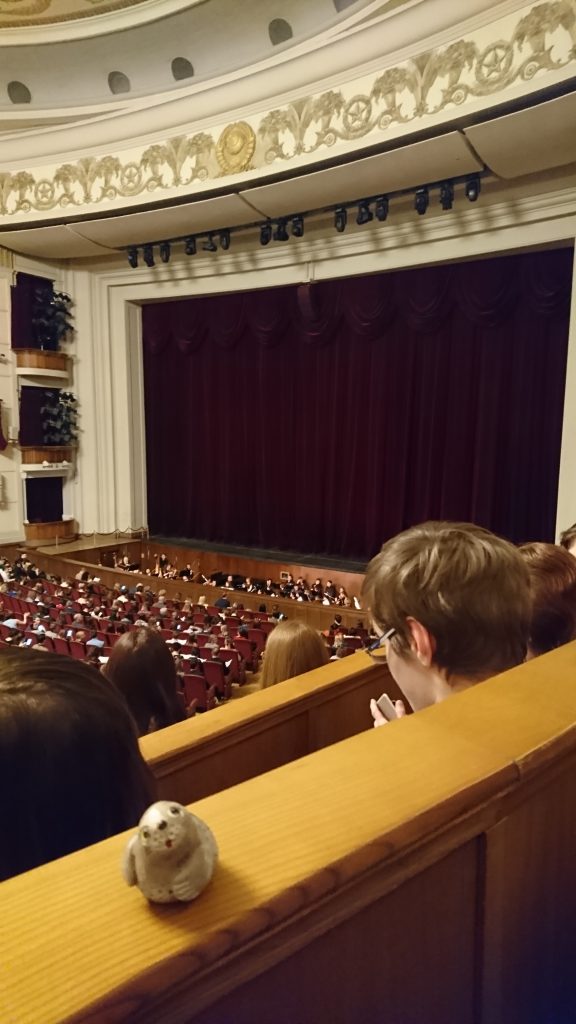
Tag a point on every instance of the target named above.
point(264, 730)
point(429, 812)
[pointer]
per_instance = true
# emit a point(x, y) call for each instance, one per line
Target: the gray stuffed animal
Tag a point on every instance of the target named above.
point(172, 857)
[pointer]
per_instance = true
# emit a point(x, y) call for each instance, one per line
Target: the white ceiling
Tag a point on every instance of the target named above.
point(407, 167)
point(530, 140)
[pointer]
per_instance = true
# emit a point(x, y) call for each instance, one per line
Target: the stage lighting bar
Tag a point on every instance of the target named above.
point(365, 214)
point(421, 200)
point(277, 229)
point(281, 230)
point(472, 188)
point(340, 219)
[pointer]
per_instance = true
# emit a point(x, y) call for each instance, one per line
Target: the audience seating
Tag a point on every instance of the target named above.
point(196, 692)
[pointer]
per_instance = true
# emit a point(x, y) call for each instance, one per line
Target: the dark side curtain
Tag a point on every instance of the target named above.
point(22, 309)
point(325, 418)
point(32, 401)
point(44, 500)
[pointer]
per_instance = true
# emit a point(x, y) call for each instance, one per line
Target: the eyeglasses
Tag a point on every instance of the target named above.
point(377, 649)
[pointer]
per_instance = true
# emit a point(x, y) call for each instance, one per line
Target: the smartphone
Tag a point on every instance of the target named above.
point(385, 705)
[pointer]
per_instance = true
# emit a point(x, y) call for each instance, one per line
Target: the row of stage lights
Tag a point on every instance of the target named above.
point(277, 230)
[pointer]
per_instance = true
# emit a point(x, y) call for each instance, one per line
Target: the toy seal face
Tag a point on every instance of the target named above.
point(163, 827)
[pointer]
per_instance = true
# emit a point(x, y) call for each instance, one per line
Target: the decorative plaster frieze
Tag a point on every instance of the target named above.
point(490, 65)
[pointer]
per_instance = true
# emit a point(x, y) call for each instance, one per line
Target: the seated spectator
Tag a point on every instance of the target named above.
point(73, 773)
point(451, 605)
point(293, 647)
point(553, 590)
point(142, 669)
point(568, 539)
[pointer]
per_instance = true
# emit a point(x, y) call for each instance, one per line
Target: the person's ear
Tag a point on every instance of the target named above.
point(422, 643)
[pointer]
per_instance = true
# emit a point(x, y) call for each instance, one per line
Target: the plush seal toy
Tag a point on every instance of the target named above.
point(172, 857)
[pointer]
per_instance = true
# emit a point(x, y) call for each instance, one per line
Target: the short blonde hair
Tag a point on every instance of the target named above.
point(292, 648)
point(466, 586)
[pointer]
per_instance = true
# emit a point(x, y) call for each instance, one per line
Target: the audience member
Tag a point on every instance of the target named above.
point(568, 539)
point(142, 669)
point(553, 591)
point(293, 647)
point(451, 605)
point(69, 757)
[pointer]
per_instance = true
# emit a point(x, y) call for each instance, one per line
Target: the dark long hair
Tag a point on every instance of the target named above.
point(71, 769)
point(142, 668)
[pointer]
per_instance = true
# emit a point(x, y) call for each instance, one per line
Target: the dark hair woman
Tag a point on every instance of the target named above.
point(71, 767)
point(142, 668)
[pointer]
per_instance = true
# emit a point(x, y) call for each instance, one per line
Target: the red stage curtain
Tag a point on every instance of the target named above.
point(327, 417)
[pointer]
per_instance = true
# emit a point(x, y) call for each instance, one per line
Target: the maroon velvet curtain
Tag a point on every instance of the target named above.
point(326, 418)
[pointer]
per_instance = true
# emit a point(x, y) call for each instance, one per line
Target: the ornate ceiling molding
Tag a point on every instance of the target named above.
point(58, 18)
point(509, 58)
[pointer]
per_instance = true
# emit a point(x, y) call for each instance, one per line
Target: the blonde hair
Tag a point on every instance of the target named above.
point(292, 648)
point(468, 587)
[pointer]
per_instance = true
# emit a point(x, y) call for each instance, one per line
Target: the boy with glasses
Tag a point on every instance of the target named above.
point(451, 605)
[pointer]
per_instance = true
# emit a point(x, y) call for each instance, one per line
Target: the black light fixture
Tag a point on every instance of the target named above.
point(148, 254)
point(225, 239)
point(421, 200)
point(382, 207)
point(210, 245)
point(133, 257)
point(365, 214)
point(298, 225)
point(190, 246)
point(265, 233)
point(340, 219)
point(281, 232)
point(472, 188)
point(164, 250)
point(447, 195)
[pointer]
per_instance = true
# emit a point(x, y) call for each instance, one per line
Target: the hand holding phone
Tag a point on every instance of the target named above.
point(384, 710)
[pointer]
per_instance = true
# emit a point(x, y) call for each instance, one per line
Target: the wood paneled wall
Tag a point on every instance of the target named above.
point(419, 874)
point(264, 730)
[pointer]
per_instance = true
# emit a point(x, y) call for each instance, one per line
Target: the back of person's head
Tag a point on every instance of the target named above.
point(292, 648)
point(142, 668)
point(467, 587)
point(568, 538)
point(553, 590)
point(72, 773)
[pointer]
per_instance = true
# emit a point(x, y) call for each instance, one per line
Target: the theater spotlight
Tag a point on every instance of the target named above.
point(421, 200)
point(265, 233)
point(281, 232)
point(473, 188)
point(340, 219)
point(190, 246)
point(365, 214)
point(298, 226)
point(133, 257)
point(446, 195)
point(148, 254)
point(382, 207)
point(164, 250)
point(225, 239)
point(210, 245)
